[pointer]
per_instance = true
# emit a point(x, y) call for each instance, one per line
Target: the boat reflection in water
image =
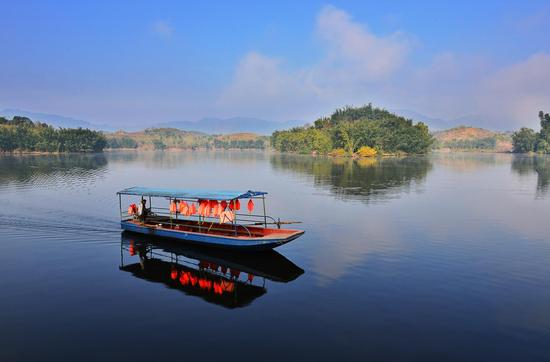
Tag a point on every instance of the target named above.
point(221, 277)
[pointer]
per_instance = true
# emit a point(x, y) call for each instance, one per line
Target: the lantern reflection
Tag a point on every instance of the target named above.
point(220, 277)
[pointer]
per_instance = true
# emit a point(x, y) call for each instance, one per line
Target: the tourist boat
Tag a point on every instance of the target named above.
point(222, 277)
point(204, 217)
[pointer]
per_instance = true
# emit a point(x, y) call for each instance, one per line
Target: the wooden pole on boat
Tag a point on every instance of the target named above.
point(199, 218)
point(120, 205)
point(235, 216)
point(265, 217)
point(142, 217)
point(169, 211)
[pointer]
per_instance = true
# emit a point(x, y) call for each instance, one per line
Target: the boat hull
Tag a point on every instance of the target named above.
point(220, 241)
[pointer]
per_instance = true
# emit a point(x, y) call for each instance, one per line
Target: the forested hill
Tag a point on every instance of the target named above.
point(21, 134)
point(162, 138)
point(350, 129)
point(24, 135)
point(466, 138)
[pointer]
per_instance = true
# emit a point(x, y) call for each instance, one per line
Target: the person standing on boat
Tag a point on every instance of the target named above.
point(142, 210)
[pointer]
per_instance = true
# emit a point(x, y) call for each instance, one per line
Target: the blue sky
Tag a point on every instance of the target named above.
point(140, 63)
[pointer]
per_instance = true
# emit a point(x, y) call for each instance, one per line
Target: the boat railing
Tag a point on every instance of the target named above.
point(203, 226)
point(255, 219)
point(247, 219)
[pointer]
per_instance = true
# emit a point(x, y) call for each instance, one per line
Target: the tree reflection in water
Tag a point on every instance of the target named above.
point(25, 169)
point(372, 179)
point(539, 165)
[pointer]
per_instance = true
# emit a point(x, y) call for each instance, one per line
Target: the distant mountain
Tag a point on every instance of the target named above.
point(54, 119)
point(232, 125)
point(432, 122)
point(473, 120)
point(439, 124)
point(205, 125)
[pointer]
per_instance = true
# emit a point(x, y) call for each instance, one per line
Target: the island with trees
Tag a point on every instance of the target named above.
point(527, 140)
point(20, 134)
point(362, 131)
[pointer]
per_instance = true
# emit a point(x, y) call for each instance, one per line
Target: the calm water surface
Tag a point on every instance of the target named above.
point(445, 257)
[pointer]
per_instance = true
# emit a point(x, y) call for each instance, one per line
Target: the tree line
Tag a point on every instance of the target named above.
point(22, 134)
point(527, 140)
point(162, 138)
point(488, 143)
point(348, 129)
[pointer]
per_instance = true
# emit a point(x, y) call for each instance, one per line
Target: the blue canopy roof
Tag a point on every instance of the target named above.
point(190, 194)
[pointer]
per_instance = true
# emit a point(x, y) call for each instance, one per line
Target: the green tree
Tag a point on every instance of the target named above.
point(524, 140)
point(22, 134)
point(351, 128)
point(543, 143)
point(158, 144)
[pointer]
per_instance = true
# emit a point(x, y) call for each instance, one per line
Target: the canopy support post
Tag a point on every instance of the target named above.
point(234, 215)
point(142, 217)
point(120, 205)
point(170, 212)
point(265, 216)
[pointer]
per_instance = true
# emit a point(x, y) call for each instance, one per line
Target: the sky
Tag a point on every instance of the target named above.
point(138, 63)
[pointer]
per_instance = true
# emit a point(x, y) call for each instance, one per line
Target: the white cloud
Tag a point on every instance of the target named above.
point(452, 86)
point(359, 66)
point(355, 58)
point(518, 91)
point(162, 28)
point(444, 88)
point(262, 86)
point(356, 50)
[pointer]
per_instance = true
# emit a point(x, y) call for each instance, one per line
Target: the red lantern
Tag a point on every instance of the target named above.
point(131, 248)
point(184, 278)
point(173, 207)
point(250, 206)
point(183, 207)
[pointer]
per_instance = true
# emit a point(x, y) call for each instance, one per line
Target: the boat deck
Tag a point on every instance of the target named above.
point(214, 229)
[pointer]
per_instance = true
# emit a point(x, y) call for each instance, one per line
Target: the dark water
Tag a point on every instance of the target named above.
point(444, 257)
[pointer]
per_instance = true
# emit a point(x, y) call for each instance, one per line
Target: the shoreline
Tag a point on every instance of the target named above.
point(267, 150)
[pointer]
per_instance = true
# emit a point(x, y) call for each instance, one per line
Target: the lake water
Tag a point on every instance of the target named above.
point(443, 257)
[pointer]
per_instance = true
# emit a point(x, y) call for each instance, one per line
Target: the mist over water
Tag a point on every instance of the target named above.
point(440, 257)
